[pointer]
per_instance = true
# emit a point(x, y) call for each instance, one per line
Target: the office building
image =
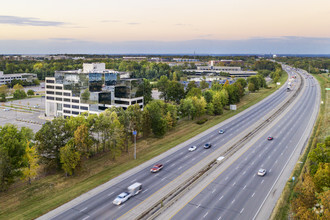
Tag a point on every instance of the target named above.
point(8, 78)
point(92, 89)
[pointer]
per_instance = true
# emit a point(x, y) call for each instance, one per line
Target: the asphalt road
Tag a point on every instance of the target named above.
point(238, 193)
point(100, 206)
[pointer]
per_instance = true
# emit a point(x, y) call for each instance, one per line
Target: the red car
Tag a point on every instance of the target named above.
point(156, 168)
point(270, 138)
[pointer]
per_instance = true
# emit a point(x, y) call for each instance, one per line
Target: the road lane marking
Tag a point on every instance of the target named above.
point(157, 174)
point(219, 217)
point(226, 178)
point(241, 210)
point(145, 190)
point(133, 180)
point(253, 194)
point(179, 168)
point(244, 172)
point(244, 187)
point(276, 161)
point(163, 179)
point(121, 206)
point(193, 159)
point(262, 181)
point(198, 206)
point(111, 193)
point(270, 170)
point(234, 183)
point(172, 165)
point(213, 191)
point(220, 198)
point(205, 215)
point(168, 161)
point(85, 218)
point(83, 209)
point(232, 201)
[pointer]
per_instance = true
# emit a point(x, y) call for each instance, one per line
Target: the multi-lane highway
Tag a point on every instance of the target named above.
point(238, 192)
point(99, 205)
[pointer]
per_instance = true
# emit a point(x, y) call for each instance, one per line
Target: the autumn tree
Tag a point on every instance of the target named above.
point(31, 159)
point(69, 157)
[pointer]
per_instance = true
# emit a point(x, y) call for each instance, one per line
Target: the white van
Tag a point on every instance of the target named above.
point(135, 189)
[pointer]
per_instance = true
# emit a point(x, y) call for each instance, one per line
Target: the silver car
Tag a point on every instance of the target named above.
point(262, 172)
point(121, 198)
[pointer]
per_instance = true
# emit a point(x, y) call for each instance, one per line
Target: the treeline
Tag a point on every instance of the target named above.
point(314, 65)
point(18, 92)
point(311, 196)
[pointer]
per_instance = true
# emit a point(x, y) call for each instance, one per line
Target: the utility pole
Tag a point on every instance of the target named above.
point(134, 133)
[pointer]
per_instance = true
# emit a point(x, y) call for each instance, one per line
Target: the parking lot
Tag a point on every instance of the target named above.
point(24, 113)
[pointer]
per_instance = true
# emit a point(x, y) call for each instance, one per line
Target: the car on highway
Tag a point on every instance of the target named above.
point(207, 145)
point(6, 109)
point(221, 131)
point(262, 172)
point(121, 198)
point(156, 168)
point(192, 148)
point(270, 138)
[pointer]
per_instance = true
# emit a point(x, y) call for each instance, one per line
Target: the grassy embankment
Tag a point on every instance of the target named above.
point(320, 131)
point(47, 193)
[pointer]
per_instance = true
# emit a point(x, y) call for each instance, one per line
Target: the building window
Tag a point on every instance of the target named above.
point(50, 98)
point(49, 87)
point(67, 106)
point(49, 81)
point(75, 113)
point(139, 101)
point(121, 102)
point(67, 100)
point(59, 107)
point(67, 111)
point(50, 92)
point(75, 106)
point(59, 99)
point(67, 94)
point(59, 87)
point(58, 93)
point(75, 100)
point(133, 102)
point(84, 108)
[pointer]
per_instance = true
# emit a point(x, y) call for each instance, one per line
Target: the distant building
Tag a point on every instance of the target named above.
point(185, 60)
point(92, 89)
point(233, 71)
point(215, 62)
point(8, 78)
point(134, 58)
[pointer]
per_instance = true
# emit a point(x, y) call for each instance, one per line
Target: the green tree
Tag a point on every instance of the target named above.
point(251, 87)
point(224, 97)
point(200, 106)
point(322, 176)
point(194, 92)
point(4, 89)
point(242, 82)
point(216, 86)
point(146, 123)
point(145, 90)
point(320, 154)
point(82, 140)
point(31, 159)
point(85, 95)
point(162, 85)
point(3, 97)
point(175, 91)
point(217, 104)
point(69, 157)
point(12, 151)
point(191, 84)
point(187, 108)
point(208, 95)
point(30, 92)
point(204, 84)
point(158, 122)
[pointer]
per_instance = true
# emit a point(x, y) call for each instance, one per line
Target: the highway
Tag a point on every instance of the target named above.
point(99, 206)
point(238, 193)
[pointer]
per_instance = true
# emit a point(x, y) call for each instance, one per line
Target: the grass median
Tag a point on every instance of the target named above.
point(46, 193)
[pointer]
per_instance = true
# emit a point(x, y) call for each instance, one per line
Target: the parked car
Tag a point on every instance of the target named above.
point(121, 198)
point(192, 148)
point(270, 138)
point(262, 172)
point(156, 168)
point(207, 145)
point(221, 131)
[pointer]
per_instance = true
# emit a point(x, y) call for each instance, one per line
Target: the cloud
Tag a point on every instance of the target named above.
point(133, 23)
point(27, 21)
point(275, 45)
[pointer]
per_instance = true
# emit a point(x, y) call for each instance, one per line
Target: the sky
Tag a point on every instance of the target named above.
point(171, 26)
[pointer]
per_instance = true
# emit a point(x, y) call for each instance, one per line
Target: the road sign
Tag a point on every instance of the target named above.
point(293, 178)
point(134, 132)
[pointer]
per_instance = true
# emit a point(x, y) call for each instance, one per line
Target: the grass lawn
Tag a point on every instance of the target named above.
point(28, 202)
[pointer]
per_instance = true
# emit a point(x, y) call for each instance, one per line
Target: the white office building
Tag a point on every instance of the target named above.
point(92, 89)
point(8, 78)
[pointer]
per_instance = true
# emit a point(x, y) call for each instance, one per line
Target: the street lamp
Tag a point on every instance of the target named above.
point(134, 133)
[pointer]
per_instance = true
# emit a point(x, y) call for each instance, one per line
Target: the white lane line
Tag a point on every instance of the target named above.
point(213, 191)
point(253, 194)
point(186, 156)
point(262, 181)
point(244, 172)
point(219, 217)
point(269, 157)
point(244, 187)
point(237, 167)
point(252, 162)
point(234, 183)
point(179, 168)
point(83, 209)
point(205, 215)
point(111, 193)
point(198, 206)
point(270, 170)
point(85, 218)
point(172, 165)
point(220, 198)
point(168, 161)
point(276, 161)
point(163, 179)
point(193, 159)
point(241, 210)
point(157, 174)
point(281, 153)
point(121, 206)
point(133, 181)
point(226, 178)
point(145, 190)
point(232, 201)
point(181, 153)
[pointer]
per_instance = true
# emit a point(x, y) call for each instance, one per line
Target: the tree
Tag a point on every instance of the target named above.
point(69, 158)
point(320, 154)
point(251, 87)
point(146, 123)
point(187, 108)
point(242, 82)
point(204, 84)
point(18, 87)
point(162, 85)
point(216, 86)
point(3, 97)
point(30, 92)
point(200, 106)
point(158, 123)
point(217, 104)
point(12, 151)
point(31, 159)
point(195, 92)
point(82, 140)
point(145, 90)
point(4, 89)
point(175, 91)
point(208, 95)
point(19, 94)
point(224, 97)
point(191, 84)
point(322, 176)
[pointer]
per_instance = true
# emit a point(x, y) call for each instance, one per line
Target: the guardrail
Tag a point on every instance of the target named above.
point(175, 194)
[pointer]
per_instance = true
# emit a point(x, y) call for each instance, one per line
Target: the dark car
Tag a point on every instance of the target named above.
point(156, 168)
point(270, 138)
point(207, 145)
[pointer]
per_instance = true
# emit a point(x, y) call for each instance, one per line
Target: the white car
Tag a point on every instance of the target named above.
point(262, 172)
point(192, 148)
point(6, 109)
point(121, 198)
point(221, 131)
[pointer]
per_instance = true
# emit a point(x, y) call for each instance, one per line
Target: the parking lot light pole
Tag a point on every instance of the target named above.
point(134, 133)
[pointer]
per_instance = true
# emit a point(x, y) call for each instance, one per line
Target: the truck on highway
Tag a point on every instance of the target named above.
point(135, 189)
